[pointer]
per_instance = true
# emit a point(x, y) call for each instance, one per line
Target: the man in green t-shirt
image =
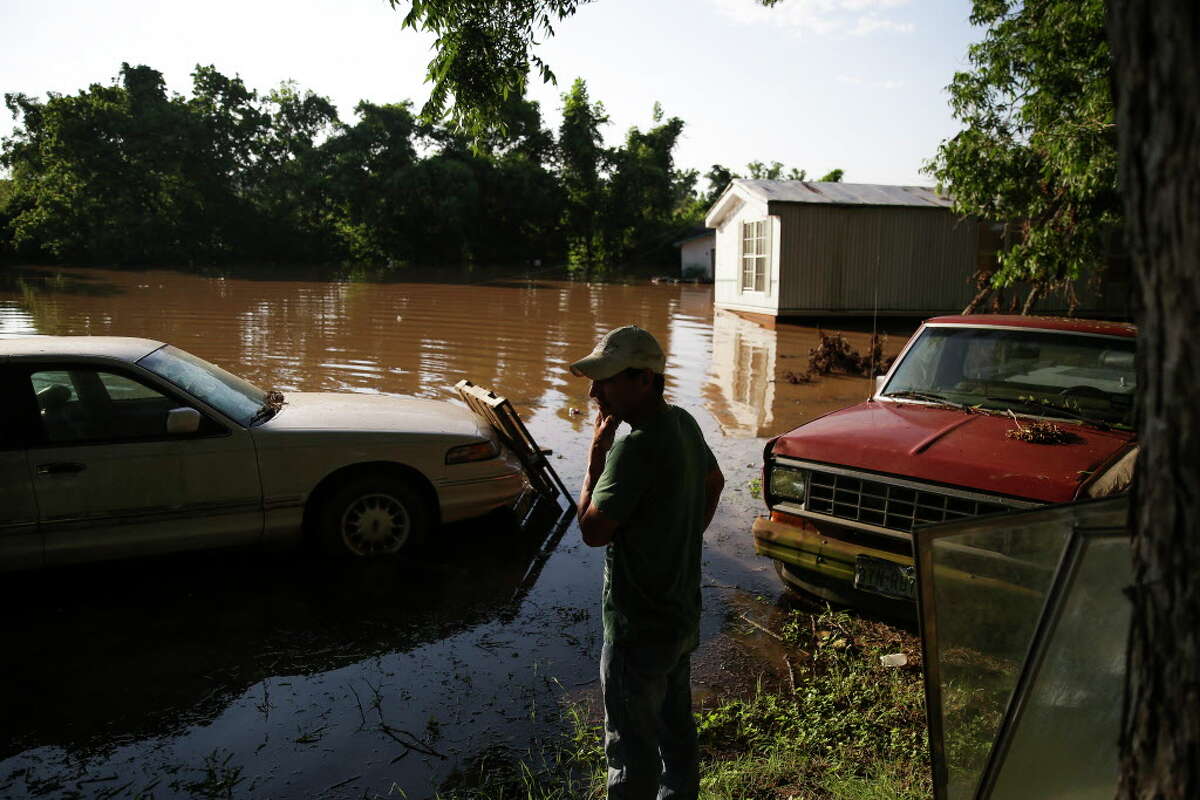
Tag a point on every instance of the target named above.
point(648, 497)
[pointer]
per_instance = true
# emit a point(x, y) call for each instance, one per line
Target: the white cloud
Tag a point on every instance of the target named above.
point(821, 17)
point(869, 23)
point(863, 5)
point(856, 80)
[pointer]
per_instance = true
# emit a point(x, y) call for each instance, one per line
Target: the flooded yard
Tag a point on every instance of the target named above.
point(279, 675)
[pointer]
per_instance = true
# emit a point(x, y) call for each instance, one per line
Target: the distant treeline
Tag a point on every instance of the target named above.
point(126, 174)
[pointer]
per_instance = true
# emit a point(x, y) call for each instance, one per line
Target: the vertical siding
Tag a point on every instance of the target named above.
point(694, 255)
point(835, 259)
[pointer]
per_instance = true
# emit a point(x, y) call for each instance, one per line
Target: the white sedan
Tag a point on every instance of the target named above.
point(113, 447)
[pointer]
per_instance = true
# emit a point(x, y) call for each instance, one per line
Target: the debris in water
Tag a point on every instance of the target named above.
point(834, 354)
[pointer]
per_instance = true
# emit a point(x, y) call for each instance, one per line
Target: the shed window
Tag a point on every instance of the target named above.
point(755, 253)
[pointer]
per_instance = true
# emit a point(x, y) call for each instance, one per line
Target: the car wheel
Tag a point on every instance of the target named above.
point(372, 517)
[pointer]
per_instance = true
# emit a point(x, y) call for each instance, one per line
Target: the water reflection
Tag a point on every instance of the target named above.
point(404, 338)
point(743, 375)
point(755, 388)
point(171, 646)
point(422, 338)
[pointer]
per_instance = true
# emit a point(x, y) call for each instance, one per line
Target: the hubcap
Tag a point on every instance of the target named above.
point(375, 524)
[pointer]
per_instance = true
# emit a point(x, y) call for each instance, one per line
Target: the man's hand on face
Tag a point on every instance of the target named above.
point(606, 428)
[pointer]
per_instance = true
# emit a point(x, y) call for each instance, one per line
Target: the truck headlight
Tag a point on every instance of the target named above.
point(480, 451)
point(788, 484)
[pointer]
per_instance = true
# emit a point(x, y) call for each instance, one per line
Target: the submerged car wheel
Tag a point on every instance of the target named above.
point(373, 517)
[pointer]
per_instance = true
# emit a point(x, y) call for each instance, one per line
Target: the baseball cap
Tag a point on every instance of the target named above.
point(620, 349)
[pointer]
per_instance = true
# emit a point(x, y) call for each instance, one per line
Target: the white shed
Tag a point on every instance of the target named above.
point(697, 255)
point(795, 248)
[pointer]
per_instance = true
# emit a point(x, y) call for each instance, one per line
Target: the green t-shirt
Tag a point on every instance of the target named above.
point(653, 487)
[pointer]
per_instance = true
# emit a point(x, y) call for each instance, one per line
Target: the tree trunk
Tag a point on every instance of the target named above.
point(983, 281)
point(1034, 293)
point(1156, 48)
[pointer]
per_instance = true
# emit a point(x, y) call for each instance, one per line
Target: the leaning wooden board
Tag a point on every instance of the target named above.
point(512, 431)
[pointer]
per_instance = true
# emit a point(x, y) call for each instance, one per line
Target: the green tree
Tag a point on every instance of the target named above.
point(582, 158)
point(1037, 149)
point(230, 128)
point(771, 172)
point(483, 53)
point(126, 174)
point(522, 198)
point(644, 196)
point(718, 178)
point(285, 178)
point(104, 175)
point(371, 199)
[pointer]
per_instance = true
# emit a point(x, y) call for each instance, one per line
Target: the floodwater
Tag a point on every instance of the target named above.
point(253, 675)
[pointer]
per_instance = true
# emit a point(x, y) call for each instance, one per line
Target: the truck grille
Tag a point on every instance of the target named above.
point(888, 506)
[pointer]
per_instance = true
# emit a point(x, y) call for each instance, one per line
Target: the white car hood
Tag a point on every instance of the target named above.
point(354, 413)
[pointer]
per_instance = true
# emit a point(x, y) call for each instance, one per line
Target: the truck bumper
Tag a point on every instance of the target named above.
point(817, 562)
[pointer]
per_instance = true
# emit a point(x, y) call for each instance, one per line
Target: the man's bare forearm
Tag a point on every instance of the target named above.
point(593, 527)
point(596, 458)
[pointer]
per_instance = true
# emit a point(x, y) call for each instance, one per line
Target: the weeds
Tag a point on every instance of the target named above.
point(850, 730)
point(755, 487)
point(218, 777)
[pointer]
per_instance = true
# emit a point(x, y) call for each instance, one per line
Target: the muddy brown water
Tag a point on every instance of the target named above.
point(286, 677)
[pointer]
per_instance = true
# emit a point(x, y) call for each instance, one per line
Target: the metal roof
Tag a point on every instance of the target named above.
point(122, 348)
point(702, 233)
point(857, 194)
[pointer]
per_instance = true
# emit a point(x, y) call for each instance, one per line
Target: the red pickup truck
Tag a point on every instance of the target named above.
point(978, 415)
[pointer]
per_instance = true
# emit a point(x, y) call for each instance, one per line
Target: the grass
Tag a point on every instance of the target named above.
point(850, 730)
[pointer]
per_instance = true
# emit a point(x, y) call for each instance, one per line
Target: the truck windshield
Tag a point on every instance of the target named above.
point(234, 397)
point(1065, 375)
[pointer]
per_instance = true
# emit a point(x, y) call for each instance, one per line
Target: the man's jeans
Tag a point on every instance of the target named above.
point(649, 731)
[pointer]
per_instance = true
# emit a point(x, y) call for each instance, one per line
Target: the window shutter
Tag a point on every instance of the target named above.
point(768, 239)
point(741, 247)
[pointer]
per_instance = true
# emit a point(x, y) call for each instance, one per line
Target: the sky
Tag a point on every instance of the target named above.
point(816, 84)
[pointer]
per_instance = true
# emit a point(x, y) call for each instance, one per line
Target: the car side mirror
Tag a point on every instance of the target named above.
point(880, 380)
point(182, 421)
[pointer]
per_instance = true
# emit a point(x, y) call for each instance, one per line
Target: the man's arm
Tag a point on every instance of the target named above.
point(714, 482)
point(597, 529)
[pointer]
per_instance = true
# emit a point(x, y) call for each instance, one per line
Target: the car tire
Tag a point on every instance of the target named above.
point(373, 517)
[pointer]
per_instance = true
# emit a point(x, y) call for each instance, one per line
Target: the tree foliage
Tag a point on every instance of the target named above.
point(1037, 150)
point(483, 53)
point(126, 173)
point(721, 176)
point(582, 162)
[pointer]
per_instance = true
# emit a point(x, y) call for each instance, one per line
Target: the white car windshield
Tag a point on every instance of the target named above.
point(234, 397)
point(1063, 375)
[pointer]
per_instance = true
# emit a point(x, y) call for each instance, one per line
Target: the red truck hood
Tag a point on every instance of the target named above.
point(951, 447)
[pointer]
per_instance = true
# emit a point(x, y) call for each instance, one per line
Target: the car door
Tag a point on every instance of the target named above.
point(20, 539)
point(110, 481)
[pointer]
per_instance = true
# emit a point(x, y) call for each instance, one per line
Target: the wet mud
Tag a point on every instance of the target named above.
point(278, 674)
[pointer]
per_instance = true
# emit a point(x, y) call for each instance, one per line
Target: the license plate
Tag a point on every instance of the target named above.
point(884, 577)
